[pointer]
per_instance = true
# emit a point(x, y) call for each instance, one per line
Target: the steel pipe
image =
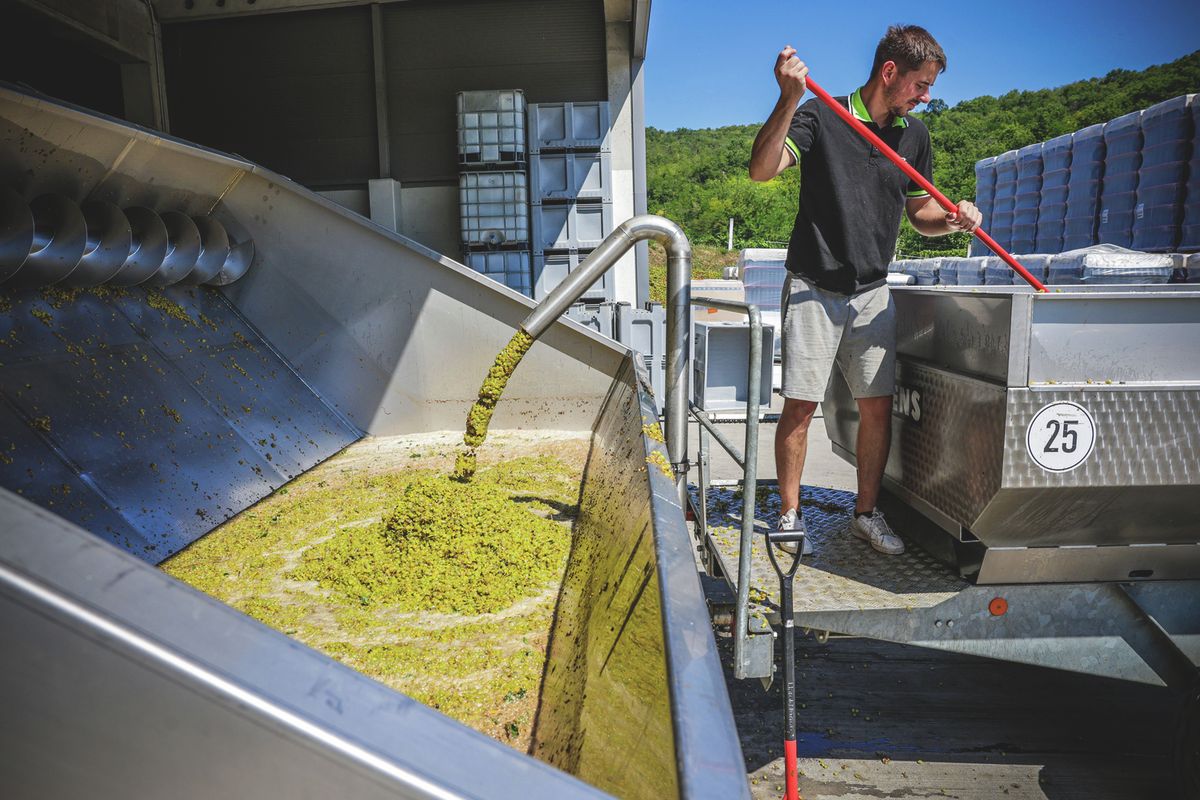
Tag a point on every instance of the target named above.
point(679, 276)
point(728, 446)
point(748, 461)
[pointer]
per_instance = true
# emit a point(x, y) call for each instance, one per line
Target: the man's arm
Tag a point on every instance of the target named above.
point(930, 219)
point(769, 156)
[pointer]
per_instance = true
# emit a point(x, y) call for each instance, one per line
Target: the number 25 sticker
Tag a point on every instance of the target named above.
point(1061, 436)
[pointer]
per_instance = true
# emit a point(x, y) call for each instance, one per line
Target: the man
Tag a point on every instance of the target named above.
point(836, 305)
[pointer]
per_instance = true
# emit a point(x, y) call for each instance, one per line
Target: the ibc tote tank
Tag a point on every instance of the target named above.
point(1167, 131)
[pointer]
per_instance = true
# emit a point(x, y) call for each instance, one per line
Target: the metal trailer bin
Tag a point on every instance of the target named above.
point(1055, 433)
point(1044, 468)
point(142, 419)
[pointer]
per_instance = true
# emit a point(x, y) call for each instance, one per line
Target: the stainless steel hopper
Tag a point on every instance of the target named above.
point(117, 680)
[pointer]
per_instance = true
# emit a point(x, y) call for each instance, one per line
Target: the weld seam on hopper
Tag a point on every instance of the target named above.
point(59, 240)
point(214, 251)
point(148, 250)
point(109, 241)
point(236, 264)
point(16, 232)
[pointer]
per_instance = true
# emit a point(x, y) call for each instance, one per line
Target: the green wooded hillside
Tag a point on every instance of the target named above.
point(699, 178)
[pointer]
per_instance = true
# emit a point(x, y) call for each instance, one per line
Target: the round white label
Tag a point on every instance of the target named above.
point(1061, 436)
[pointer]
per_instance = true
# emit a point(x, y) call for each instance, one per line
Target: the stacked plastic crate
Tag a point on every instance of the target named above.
point(1027, 199)
point(763, 271)
point(1052, 207)
point(493, 186)
point(1083, 187)
point(1004, 205)
point(1118, 194)
point(571, 184)
point(1189, 228)
point(985, 197)
point(1162, 180)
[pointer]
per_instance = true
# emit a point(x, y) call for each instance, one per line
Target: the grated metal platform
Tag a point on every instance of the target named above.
point(843, 574)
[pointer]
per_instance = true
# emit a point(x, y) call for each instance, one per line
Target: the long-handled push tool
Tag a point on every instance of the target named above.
point(786, 612)
point(919, 179)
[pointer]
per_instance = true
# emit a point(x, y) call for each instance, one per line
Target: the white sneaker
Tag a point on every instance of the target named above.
point(792, 521)
point(873, 528)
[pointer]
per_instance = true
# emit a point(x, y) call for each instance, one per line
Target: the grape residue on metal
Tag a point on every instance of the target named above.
point(489, 394)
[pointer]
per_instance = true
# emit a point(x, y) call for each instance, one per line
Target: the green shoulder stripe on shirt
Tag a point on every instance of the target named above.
point(790, 145)
point(917, 193)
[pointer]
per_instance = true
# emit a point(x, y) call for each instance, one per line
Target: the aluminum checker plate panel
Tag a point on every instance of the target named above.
point(844, 573)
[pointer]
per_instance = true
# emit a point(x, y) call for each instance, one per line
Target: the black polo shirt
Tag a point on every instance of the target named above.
point(851, 196)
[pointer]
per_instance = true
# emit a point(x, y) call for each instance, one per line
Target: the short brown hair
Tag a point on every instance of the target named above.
point(910, 47)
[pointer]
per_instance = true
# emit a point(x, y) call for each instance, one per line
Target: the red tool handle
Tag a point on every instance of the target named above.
point(919, 179)
point(791, 789)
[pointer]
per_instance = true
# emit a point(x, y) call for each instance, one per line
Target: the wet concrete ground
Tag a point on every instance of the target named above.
point(884, 720)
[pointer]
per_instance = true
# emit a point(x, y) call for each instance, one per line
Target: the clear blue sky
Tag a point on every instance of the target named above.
point(709, 62)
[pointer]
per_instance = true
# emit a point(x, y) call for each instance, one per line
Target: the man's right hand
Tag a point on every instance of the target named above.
point(789, 73)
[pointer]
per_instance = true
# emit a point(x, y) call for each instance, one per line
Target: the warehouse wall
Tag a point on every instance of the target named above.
point(299, 91)
point(334, 94)
point(101, 54)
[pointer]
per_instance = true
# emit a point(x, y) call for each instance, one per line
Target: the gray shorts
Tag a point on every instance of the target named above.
point(858, 332)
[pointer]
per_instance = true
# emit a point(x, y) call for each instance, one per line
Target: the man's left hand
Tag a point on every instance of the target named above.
point(966, 219)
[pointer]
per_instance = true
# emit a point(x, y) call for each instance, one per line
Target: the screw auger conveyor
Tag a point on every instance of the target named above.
point(136, 419)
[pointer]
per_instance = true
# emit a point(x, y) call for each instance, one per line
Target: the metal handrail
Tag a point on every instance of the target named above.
point(748, 461)
point(679, 292)
point(675, 408)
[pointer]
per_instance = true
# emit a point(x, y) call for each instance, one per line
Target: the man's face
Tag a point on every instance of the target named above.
point(904, 91)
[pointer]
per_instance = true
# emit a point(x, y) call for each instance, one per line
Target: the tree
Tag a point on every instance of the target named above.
point(699, 178)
